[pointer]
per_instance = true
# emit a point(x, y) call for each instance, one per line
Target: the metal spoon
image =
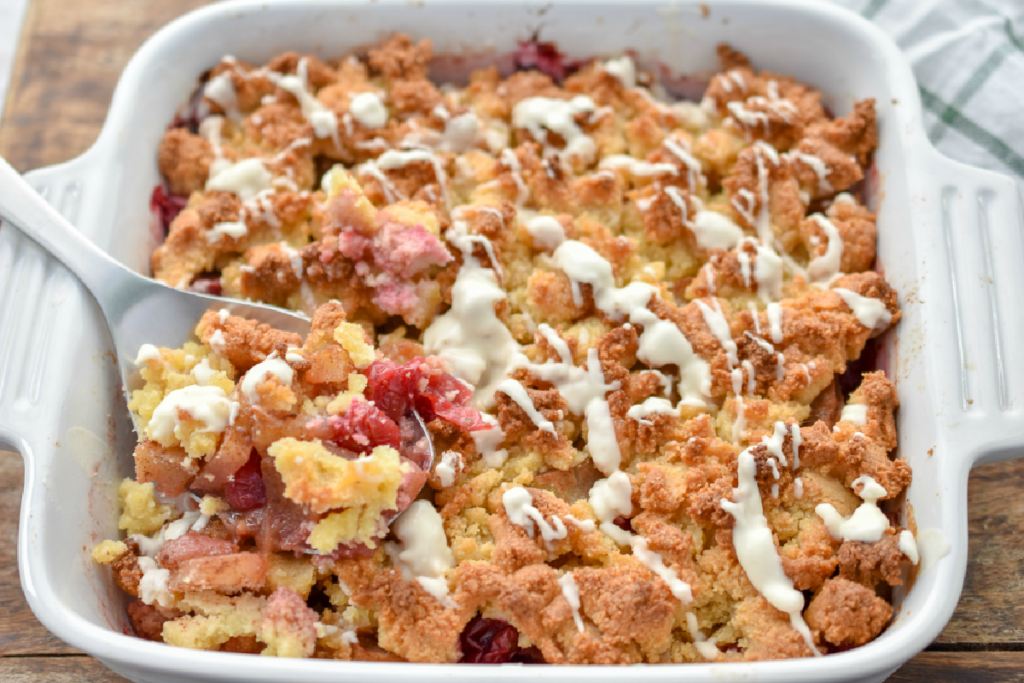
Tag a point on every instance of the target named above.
point(138, 310)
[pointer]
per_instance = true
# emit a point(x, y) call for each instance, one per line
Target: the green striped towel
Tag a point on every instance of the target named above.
point(968, 57)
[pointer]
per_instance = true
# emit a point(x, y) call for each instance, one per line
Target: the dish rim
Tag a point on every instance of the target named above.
point(123, 652)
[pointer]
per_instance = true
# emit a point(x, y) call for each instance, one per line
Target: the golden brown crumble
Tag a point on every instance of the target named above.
point(706, 347)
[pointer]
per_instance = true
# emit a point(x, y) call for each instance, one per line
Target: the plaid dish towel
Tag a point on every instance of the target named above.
point(968, 57)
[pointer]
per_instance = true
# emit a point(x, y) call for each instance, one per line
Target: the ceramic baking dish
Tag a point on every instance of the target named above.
point(950, 240)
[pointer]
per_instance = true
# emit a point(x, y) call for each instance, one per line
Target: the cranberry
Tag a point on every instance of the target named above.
point(529, 655)
point(623, 523)
point(166, 206)
point(396, 389)
point(207, 283)
point(545, 58)
point(489, 641)
point(246, 490)
point(364, 426)
point(868, 361)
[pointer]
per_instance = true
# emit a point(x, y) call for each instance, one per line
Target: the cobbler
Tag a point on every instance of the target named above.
point(635, 329)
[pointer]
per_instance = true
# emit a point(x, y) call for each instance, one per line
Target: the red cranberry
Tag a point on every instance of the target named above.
point(207, 283)
point(623, 523)
point(868, 361)
point(166, 206)
point(489, 641)
point(397, 388)
point(246, 490)
point(545, 58)
point(364, 426)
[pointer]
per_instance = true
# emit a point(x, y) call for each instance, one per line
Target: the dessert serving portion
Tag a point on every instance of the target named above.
point(631, 326)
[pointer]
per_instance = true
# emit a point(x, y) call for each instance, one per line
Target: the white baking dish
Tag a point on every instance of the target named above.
point(950, 240)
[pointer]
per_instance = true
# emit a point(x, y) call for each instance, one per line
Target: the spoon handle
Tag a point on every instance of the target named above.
point(29, 213)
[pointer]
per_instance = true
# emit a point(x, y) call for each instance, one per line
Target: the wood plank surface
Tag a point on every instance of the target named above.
point(69, 58)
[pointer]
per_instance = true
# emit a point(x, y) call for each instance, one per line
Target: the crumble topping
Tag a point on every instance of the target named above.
point(626, 323)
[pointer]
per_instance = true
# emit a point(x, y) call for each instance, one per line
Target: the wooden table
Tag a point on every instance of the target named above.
point(70, 56)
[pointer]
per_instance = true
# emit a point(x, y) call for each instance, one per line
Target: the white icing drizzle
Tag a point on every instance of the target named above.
point(774, 311)
point(519, 507)
point(556, 342)
point(714, 230)
point(681, 150)
point(748, 118)
point(719, 327)
point(601, 439)
point(461, 133)
point(422, 550)
point(571, 592)
point(246, 178)
point(448, 468)
point(767, 272)
point(817, 165)
point(775, 442)
point(509, 158)
point(661, 343)
point(637, 167)
point(368, 109)
point(515, 391)
point(218, 343)
point(488, 440)
point(654, 405)
point(764, 229)
point(623, 69)
point(539, 115)
point(323, 120)
point(546, 232)
point(748, 368)
point(871, 313)
point(147, 352)
point(798, 439)
point(798, 488)
point(752, 307)
point(261, 372)
point(235, 229)
point(611, 498)
point(294, 258)
point(908, 546)
point(221, 90)
point(855, 413)
point(394, 158)
point(203, 373)
point(209, 406)
point(755, 548)
point(153, 583)
point(828, 264)
point(705, 646)
point(477, 346)
point(867, 523)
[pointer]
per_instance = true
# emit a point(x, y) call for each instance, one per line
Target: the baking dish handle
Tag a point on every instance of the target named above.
point(982, 232)
point(36, 293)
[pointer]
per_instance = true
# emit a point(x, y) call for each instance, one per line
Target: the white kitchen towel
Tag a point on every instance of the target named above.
point(968, 57)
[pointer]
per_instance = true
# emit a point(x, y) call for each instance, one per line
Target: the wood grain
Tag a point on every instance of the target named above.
point(991, 609)
point(962, 667)
point(20, 632)
point(69, 58)
point(77, 669)
point(68, 62)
